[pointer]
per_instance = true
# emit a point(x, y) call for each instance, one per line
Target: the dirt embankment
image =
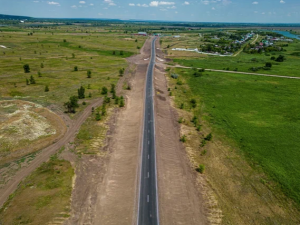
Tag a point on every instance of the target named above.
point(180, 197)
point(105, 187)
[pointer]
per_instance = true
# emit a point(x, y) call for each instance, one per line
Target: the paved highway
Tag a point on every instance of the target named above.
point(148, 196)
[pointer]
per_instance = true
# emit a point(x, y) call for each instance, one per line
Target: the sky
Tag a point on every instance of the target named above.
point(256, 11)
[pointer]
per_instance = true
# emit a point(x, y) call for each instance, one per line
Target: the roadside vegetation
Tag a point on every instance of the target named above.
point(42, 197)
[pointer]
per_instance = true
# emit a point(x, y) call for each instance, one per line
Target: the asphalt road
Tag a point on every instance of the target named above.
point(148, 197)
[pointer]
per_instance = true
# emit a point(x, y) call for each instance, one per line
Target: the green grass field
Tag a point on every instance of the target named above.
point(93, 51)
point(259, 114)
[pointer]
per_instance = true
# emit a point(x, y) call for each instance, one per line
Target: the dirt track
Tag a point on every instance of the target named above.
point(180, 198)
point(47, 152)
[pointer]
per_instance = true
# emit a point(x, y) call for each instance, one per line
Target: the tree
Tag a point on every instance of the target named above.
point(194, 103)
point(98, 116)
point(136, 40)
point(81, 92)
point(113, 88)
point(89, 74)
point(280, 58)
point(26, 68)
point(75, 68)
point(72, 104)
point(268, 64)
point(104, 91)
point(46, 88)
point(121, 72)
point(32, 80)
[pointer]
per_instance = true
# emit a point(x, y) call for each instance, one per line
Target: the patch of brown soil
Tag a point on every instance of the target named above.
point(30, 116)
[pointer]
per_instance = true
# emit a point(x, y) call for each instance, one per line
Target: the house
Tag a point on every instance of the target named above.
point(142, 33)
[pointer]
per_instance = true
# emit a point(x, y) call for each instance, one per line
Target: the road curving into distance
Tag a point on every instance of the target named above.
point(148, 193)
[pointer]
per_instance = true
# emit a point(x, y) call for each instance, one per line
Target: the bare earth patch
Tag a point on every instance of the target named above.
point(26, 127)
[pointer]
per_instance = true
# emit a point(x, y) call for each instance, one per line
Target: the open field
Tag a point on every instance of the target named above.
point(46, 52)
point(43, 197)
point(256, 115)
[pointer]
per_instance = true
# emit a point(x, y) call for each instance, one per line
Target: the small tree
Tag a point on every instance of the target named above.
point(194, 103)
point(98, 116)
point(75, 68)
point(90, 95)
point(81, 92)
point(208, 137)
point(46, 88)
point(27, 82)
point(73, 55)
point(32, 80)
point(121, 53)
point(183, 139)
point(268, 64)
point(104, 91)
point(89, 74)
point(72, 104)
point(201, 168)
point(122, 103)
point(39, 74)
point(42, 65)
point(121, 72)
point(26, 68)
point(114, 52)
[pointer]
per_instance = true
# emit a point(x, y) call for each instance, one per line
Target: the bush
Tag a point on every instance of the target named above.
point(201, 168)
point(42, 65)
point(89, 74)
point(26, 68)
point(46, 88)
point(98, 116)
point(195, 120)
point(32, 80)
point(39, 74)
point(194, 103)
point(181, 105)
point(203, 152)
point(174, 76)
point(104, 91)
point(179, 82)
point(183, 139)
point(75, 68)
point(268, 64)
point(203, 143)
point(208, 137)
point(180, 120)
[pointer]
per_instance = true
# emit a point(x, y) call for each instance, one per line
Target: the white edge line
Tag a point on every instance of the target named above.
point(142, 146)
point(154, 140)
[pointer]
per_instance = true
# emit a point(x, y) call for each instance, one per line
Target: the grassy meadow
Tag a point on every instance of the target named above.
point(260, 115)
point(54, 53)
point(42, 197)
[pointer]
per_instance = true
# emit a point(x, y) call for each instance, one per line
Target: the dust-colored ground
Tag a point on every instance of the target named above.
point(44, 155)
point(26, 127)
point(180, 197)
point(105, 188)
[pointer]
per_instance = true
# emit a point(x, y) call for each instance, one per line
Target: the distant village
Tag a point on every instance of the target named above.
point(226, 44)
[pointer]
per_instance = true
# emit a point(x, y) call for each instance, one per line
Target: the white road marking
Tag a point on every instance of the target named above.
point(148, 156)
point(147, 198)
point(148, 142)
point(148, 175)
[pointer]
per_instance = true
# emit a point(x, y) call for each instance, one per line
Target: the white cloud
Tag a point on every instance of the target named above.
point(73, 6)
point(263, 13)
point(254, 3)
point(186, 3)
point(171, 7)
point(282, 2)
point(255, 12)
point(35, 1)
point(54, 3)
point(131, 4)
point(100, 14)
point(142, 5)
point(213, 8)
point(176, 12)
point(82, 2)
point(91, 4)
point(110, 2)
point(157, 3)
